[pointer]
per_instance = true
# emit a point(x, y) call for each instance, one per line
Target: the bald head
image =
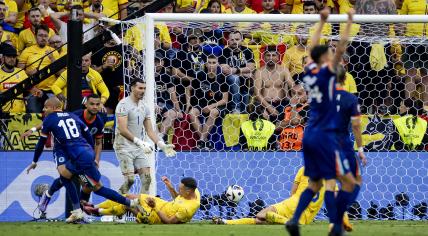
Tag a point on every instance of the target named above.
point(54, 102)
point(55, 41)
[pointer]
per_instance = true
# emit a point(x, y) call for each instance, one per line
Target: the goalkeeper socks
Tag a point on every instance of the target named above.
point(342, 201)
point(56, 185)
point(243, 221)
point(72, 192)
point(84, 196)
point(113, 195)
point(305, 200)
point(330, 205)
point(355, 193)
point(274, 218)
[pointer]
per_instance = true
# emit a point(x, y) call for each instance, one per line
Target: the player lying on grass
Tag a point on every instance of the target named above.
point(154, 210)
point(74, 141)
point(281, 212)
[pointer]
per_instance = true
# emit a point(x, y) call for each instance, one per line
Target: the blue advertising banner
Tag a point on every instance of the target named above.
point(265, 175)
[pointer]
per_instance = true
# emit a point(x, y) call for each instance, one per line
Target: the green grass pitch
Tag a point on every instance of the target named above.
point(361, 228)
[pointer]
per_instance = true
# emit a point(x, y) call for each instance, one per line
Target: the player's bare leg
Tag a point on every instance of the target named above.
point(145, 178)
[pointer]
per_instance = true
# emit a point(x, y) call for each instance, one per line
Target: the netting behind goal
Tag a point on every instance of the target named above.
point(209, 78)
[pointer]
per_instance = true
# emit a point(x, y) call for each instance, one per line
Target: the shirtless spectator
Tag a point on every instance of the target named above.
point(272, 86)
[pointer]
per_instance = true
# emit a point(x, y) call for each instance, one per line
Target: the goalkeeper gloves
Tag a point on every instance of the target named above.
point(146, 147)
point(168, 149)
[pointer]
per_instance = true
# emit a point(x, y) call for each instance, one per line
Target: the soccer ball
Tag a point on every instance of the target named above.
point(234, 193)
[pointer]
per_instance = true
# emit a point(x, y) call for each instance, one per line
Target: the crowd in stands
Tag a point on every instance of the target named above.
point(220, 74)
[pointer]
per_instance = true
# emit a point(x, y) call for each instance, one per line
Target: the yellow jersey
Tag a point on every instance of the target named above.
point(30, 57)
point(349, 85)
point(113, 5)
point(180, 207)
point(60, 4)
point(297, 6)
point(191, 3)
point(18, 75)
point(246, 10)
point(303, 181)
point(133, 36)
point(27, 38)
point(107, 12)
point(344, 7)
point(95, 83)
point(293, 59)
point(415, 7)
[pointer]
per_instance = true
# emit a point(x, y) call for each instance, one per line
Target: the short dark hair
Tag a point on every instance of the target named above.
point(34, 9)
point(271, 48)
point(77, 7)
point(41, 27)
point(136, 80)
point(318, 51)
point(310, 3)
point(189, 182)
point(95, 96)
point(236, 32)
point(212, 56)
point(341, 74)
point(415, 106)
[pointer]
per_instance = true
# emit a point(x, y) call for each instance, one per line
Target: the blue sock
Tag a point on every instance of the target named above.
point(342, 202)
point(304, 201)
point(84, 196)
point(330, 205)
point(355, 193)
point(56, 185)
point(71, 192)
point(113, 195)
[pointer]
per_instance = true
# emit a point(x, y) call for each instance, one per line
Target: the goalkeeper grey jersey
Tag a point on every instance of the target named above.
point(136, 115)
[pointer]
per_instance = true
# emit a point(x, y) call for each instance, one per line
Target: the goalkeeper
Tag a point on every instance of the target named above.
point(133, 120)
point(154, 210)
point(281, 212)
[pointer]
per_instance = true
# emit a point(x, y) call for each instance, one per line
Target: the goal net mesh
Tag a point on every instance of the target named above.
point(211, 77)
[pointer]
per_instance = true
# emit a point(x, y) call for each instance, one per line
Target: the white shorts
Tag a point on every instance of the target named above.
point(131, 160)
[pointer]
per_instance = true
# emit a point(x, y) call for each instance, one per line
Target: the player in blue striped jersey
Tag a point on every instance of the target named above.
point(349, 119)
point(72, 137)
point(322, 158)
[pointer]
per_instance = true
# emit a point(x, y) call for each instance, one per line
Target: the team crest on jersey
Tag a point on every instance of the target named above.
point(113, 57)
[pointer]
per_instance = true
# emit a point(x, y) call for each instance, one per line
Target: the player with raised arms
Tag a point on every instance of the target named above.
point(154, 210)
point(73, 138)
point(91, 118)
point(133, 120)
point(322, 157)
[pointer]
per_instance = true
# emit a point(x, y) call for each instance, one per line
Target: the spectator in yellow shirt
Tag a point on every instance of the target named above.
point(23, 7)
point(213, 7)
point(190, 6)
point(27, 37)
point(9, 77)
point(34, 58)
point(56, 43)
point(92, 83)
point(239, 7)
point(97, 7)
point(118, 7)
point(294, 56)
point(8, 32)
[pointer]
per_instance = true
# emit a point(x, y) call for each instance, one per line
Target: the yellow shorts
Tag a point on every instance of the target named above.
point(147, 215)
point(287, 208)
point(112, 208)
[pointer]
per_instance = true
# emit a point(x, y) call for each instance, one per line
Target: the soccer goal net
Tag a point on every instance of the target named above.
point(226, 91)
